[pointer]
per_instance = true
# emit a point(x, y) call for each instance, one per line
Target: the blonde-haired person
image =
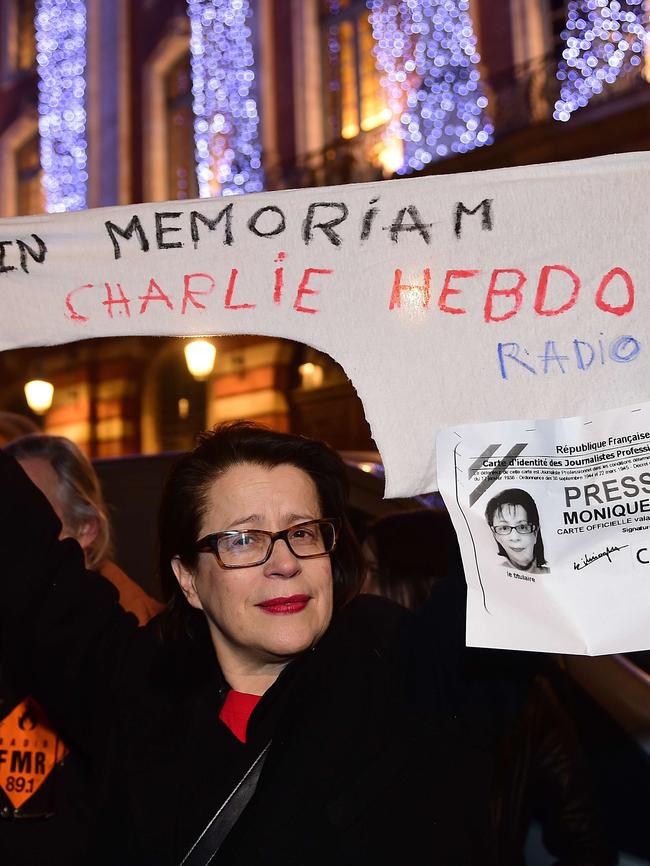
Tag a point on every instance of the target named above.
point(67, 478)
point(47, 821)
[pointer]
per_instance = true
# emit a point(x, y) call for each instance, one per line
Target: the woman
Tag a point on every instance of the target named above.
point(262, 646)
point(47, 823)
point(219, 505)
point(65, 475)
point(514, 520)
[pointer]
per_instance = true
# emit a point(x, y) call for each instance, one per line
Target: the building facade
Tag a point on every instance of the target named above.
point(299, 93)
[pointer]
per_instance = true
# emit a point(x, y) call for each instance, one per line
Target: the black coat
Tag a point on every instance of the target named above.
point(51, 827)
point(526, 747)
point(356, 774)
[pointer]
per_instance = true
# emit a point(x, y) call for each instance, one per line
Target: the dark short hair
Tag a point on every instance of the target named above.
point(515, 496)
point(186, 495)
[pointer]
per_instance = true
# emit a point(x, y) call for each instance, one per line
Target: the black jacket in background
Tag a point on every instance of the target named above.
point(527, 749)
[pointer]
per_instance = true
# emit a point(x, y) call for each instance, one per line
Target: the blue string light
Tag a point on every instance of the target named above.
point(333, 61)
point(228, 152)
point(61, 61)
point(427, 53)
point(603, 40)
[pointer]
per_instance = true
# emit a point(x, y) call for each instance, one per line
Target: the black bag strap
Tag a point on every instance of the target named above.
point(208, 843)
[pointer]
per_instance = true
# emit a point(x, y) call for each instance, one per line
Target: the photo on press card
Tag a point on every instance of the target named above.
point(513, 518)
point(553, 521)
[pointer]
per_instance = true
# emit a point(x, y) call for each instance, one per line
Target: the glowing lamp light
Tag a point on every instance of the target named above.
point(183, 408)
point(351, 130)
point(391, 156)
point(39, 395)
point(372, 121)
point(199, 357)
point(311, 375)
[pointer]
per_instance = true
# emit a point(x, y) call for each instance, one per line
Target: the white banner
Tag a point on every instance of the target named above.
point(553, 519)
point(448, 299)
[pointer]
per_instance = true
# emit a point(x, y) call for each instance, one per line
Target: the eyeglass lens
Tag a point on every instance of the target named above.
point(521, 528)
point(253, 545)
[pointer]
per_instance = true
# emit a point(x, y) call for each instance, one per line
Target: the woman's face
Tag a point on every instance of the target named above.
point(267, 613)
point(519, 548)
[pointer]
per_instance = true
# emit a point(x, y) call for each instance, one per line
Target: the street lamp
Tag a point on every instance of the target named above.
point(199, 357)
point(39, 394)
point(311, 375)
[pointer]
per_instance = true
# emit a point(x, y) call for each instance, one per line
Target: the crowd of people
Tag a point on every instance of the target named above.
point(304, 695)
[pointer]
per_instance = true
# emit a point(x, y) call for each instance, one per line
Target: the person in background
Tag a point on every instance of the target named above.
point(395, 566)
point(65, 475)
point(609, 697)
point(46, 789)
point(527, 758)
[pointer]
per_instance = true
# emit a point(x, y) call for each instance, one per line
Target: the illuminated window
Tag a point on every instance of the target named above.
point(26, 43)
point(354, 98)
point(181, 404)
point(181, 166)
point(30, 198)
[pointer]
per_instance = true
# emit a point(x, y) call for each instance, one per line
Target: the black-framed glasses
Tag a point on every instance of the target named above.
point(246, 548)
point(520, 528)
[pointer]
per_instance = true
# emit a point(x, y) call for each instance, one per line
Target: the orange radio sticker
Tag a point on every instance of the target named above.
point(29, 750)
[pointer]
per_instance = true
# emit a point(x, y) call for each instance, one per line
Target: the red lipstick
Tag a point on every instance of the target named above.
point(285, 604)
